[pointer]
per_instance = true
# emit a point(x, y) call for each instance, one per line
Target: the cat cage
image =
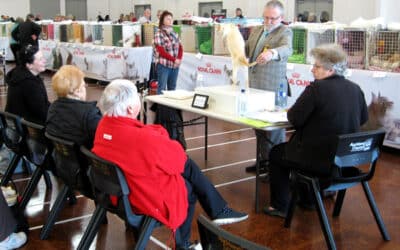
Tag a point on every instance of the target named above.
point(218, 43)
point(188, 38)
point(353, 41)
point(316, 36)
point(299, 47)
point(204, 39)
point(384, 50)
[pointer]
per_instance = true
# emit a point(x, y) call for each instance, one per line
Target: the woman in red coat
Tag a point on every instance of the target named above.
point(164, 183)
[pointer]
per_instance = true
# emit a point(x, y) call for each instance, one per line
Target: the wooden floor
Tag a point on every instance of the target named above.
point(231, 149)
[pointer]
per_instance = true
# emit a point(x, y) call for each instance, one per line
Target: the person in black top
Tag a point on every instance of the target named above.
point(29, 31)
point(26, 95)
point(70, 116)
point(329, 106)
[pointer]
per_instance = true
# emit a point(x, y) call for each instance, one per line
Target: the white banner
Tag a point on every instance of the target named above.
point(99, 62)
point(5, 44)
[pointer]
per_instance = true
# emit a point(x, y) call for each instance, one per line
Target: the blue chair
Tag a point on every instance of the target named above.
point(215, 238)
point(109, 181)
point(352, 151)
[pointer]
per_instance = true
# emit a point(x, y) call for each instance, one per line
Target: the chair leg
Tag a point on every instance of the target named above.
point(375, 211)
point(291, 208)
point(26, 166)
point(47, 180)
point(30, 188)
point(10, 169)
point(323, 217)
point(338, 203)
point(55, 210)
point(145, 232)
point(92, 228)
point(257, 185)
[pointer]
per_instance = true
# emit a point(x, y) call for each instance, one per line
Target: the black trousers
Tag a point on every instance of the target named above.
point(199, 187)
point(279, 168)
point(7, 221)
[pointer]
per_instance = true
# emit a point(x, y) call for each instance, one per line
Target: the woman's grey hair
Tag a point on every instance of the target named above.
point(275, 4)
point(117, 96)
point(331, 56)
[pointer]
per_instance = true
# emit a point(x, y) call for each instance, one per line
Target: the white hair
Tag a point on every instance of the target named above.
point(117, 96)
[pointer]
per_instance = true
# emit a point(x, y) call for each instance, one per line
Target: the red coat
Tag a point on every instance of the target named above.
point(152, 163)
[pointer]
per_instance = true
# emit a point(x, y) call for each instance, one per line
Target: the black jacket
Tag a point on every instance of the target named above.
point(326, 108)
point(26, 95)
point(73, 120)
point(26, 30)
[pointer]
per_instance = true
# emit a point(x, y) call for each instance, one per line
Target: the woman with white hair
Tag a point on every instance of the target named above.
point(331, 105)
point(164, 182)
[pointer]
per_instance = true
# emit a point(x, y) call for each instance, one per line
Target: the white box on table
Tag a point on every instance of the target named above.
point(224, 98)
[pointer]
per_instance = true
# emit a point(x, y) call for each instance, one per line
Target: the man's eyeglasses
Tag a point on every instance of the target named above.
point(271, 18)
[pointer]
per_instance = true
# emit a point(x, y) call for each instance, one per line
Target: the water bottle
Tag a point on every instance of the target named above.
point(281, 99)
point(242, 103)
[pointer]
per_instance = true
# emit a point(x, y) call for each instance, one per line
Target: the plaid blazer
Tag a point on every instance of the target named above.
point(270, 75)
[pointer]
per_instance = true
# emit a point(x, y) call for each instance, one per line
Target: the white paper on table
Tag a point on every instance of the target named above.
point(268, 116)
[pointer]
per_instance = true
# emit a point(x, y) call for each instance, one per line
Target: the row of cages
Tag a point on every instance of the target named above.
point(372, 50)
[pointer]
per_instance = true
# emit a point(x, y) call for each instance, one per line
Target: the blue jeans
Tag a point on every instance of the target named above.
point(166, 78)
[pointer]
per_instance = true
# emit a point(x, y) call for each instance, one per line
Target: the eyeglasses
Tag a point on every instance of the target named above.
point(316, 66)
point(271, 18)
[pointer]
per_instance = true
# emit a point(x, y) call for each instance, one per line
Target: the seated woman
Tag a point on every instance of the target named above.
point(70, 116)
point(26, 95)
point(164, 182)
point(9, 239)
point(331, 105)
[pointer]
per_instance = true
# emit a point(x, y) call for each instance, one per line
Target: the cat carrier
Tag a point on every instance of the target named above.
point(299, 42)
point(384, 51)
point(204, 39)
point(353, 41)
point(317, 35)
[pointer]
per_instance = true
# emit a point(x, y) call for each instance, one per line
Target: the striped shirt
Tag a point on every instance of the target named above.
point(167, 47)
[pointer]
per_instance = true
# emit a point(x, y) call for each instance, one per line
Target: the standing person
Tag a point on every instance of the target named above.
point(146, 18)
point(26, 95)
point(29, 31)
point(164, 182)
point(329, 106)
point(270, 46)
point(9, 239)
point(239, 14)
point(168, 52)
point(14, 39)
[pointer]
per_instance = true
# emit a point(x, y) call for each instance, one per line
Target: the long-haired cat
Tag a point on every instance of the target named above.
point(234, 41)
point(377, 112)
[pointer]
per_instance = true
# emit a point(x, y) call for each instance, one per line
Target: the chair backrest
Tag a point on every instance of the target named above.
point(359, 148)
point(69, 164)
point(214, 237)
point(108, 181)
point(38, 145)
point(13, 134)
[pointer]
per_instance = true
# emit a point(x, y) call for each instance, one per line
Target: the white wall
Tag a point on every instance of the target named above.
point(344, 11)
point(15, 8)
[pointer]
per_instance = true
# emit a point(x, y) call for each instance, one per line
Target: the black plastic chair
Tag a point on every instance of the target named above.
point(71, 168)
point(14, 139)
point(109, 181)
point(39, 151)
point(213, 237)
point(353, 153)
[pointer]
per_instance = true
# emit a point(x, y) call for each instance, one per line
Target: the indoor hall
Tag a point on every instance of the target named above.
point(231, 149)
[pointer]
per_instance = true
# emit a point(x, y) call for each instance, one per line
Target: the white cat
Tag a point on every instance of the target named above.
point(234, 41)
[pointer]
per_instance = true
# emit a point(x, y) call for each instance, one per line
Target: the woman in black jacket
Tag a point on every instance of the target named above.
point(26, 95)
point(70, 116)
